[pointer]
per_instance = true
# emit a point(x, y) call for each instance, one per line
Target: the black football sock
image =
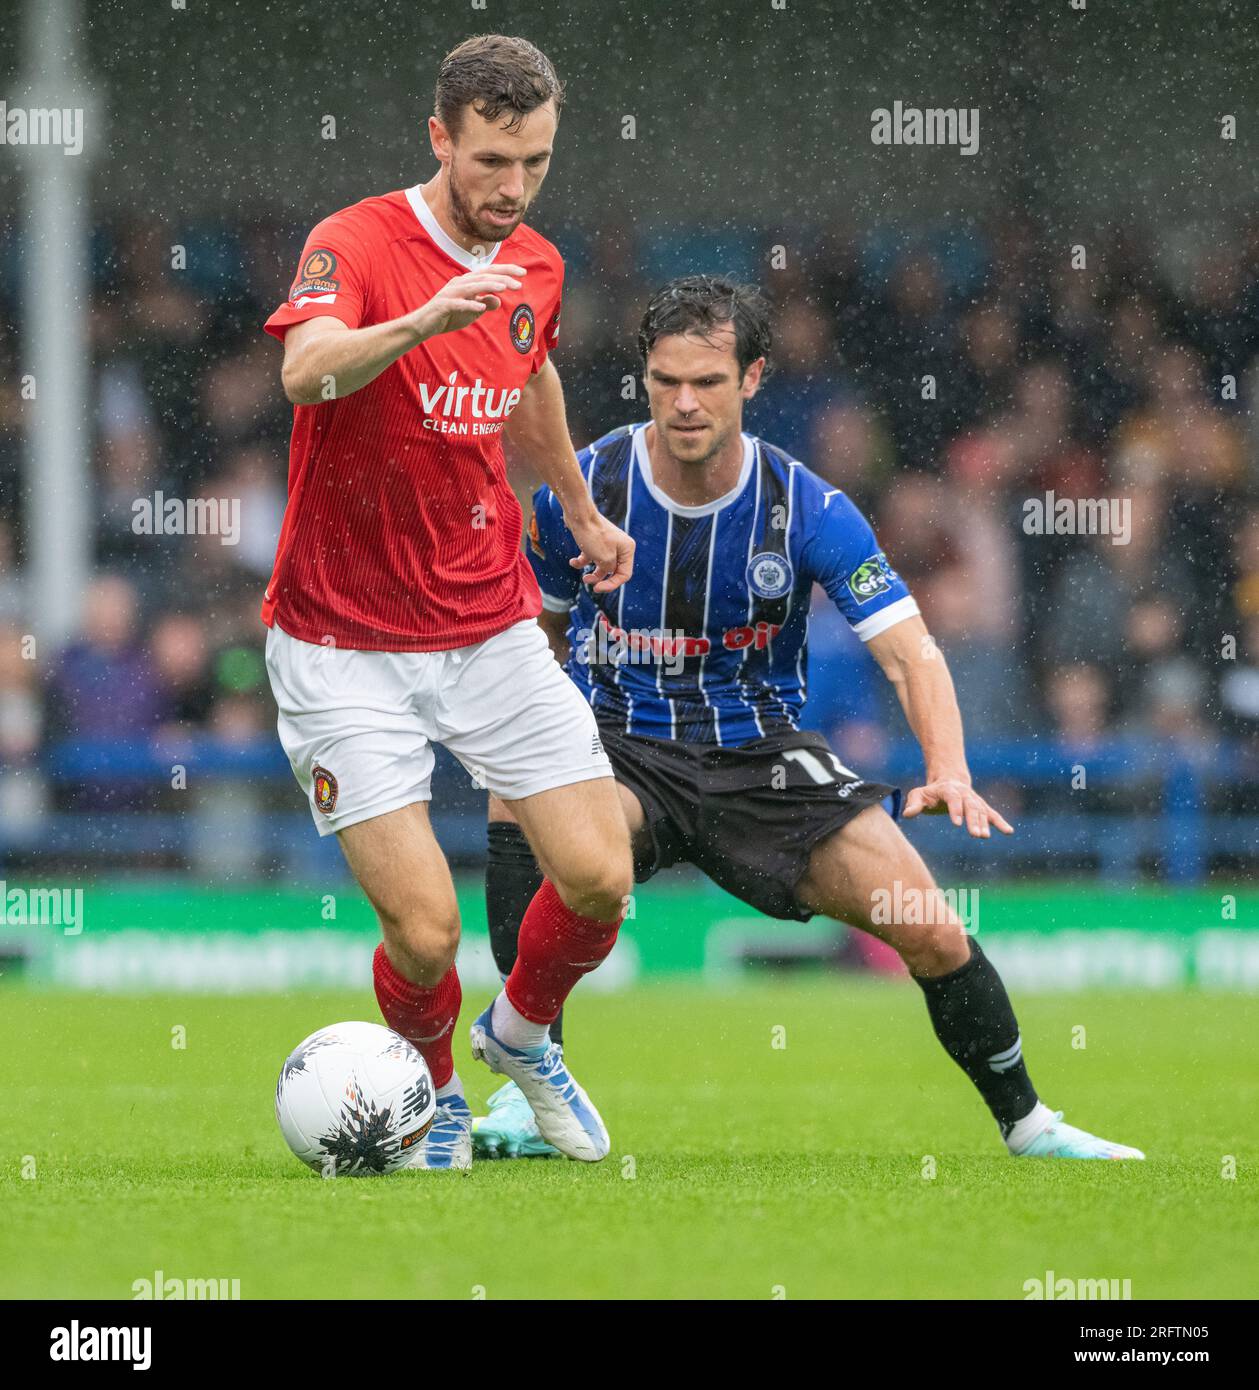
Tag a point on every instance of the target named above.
point(974, 1020)
point(512, 877)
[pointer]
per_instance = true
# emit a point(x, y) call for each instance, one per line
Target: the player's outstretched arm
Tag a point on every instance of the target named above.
point(538, 429)
point(325, 359)
point(916, 667)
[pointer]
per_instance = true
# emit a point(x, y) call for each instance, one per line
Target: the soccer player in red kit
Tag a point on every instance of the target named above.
point(401, 608)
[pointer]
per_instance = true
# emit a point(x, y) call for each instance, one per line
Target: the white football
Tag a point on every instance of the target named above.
point(354, 1099)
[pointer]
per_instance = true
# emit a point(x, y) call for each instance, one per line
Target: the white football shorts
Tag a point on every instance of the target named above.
point(359, 726)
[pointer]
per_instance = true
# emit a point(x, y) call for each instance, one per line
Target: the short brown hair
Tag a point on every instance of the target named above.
point(701, 304)
point(495, 74)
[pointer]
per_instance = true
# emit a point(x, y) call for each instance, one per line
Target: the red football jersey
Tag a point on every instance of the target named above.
point(401, 531)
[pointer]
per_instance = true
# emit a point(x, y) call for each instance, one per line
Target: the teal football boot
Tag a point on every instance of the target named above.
point(1058, 1140)
point(510, 1130)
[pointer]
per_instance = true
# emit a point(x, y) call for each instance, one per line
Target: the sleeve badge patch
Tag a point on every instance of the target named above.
point(871, 578)
point(317, 276)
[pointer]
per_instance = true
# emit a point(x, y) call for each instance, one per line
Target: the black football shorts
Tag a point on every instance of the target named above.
point(748, 817)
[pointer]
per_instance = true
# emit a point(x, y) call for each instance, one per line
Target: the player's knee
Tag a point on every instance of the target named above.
point(936, 949)
point(599, 888)
point(427, 938)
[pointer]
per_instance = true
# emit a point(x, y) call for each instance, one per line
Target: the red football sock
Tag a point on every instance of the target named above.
point(425, 1017)
point(555, 949)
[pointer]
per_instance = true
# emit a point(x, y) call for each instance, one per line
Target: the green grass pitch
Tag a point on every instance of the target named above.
point(739, 1169)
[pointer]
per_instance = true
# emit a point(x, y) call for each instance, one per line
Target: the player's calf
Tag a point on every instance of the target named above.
point(424, 1014)
point(579, 835)
point(556, 947)
point(398, 862)
point(512, 879)
point(853, 875)
point(417, 987)
point(399, 865)
point(858, 875)
point(581, 841)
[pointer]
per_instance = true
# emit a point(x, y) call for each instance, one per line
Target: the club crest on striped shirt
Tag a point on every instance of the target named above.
point(769, 575)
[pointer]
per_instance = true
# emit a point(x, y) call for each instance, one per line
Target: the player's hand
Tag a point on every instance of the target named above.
point(606, 551)
point(464, 299)
point(963, 804)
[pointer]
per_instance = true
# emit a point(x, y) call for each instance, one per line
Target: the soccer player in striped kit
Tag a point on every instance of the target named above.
point(696, 673)
point(401, 610)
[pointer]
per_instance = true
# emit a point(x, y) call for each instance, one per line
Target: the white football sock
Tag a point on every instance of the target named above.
point(453, 1087)
point(1038, 1118)
point(514, 1028)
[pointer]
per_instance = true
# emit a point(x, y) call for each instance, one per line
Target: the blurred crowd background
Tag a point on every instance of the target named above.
point(1135, 379)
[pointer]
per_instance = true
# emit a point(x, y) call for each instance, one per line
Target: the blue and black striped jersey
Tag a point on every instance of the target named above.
point(708, 642)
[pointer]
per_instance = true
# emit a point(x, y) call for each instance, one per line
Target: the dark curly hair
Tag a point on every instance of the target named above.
point(495, 74)
point(702, 304)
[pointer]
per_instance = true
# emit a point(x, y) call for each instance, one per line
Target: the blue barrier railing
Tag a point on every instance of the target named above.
point(1171, 783)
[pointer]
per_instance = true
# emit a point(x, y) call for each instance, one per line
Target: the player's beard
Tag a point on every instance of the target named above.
point(720, 440)
point(465, 218)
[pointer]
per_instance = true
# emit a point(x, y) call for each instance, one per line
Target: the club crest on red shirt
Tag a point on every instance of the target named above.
point(523, 328)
